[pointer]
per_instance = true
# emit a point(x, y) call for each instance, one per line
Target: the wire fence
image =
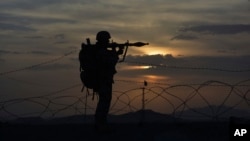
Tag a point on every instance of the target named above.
point(182, 101)
point(211, 99)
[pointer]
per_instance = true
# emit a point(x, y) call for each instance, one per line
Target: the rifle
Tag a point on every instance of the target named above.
point(122, 46)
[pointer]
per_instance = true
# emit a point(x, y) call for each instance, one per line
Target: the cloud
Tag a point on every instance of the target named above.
point(184, 37)
point(39, 52)
point(155, 22)
point(9, 52)
point(36, 52)
point(165, 61)
point(60, 39)
point(158, 58)
point(35, 4)
point(60, 36)
point(15, 27)
point(34, 37)
point(2, 60)
point(28, 22)
point(212, 39)
point(219, 29)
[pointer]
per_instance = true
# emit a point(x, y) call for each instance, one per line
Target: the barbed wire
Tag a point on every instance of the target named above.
point(129, 101)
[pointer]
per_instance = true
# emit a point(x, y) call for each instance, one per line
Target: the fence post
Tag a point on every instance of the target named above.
point(143, 104)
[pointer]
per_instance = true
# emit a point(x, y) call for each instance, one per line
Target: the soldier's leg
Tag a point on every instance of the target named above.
point(105, 96)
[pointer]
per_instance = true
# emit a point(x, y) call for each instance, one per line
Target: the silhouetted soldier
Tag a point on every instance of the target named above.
point(106, 62)
point(97, 67)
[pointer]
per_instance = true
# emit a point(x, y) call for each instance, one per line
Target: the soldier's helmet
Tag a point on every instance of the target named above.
point(103, 36)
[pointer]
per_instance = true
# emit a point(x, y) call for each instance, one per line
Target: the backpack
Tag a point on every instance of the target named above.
point(88, 67)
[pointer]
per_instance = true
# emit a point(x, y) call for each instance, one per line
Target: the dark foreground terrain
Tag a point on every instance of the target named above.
point(177, 131)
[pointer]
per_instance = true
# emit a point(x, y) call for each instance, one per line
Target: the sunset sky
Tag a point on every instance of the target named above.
point(188, 34)
point(194, 27)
